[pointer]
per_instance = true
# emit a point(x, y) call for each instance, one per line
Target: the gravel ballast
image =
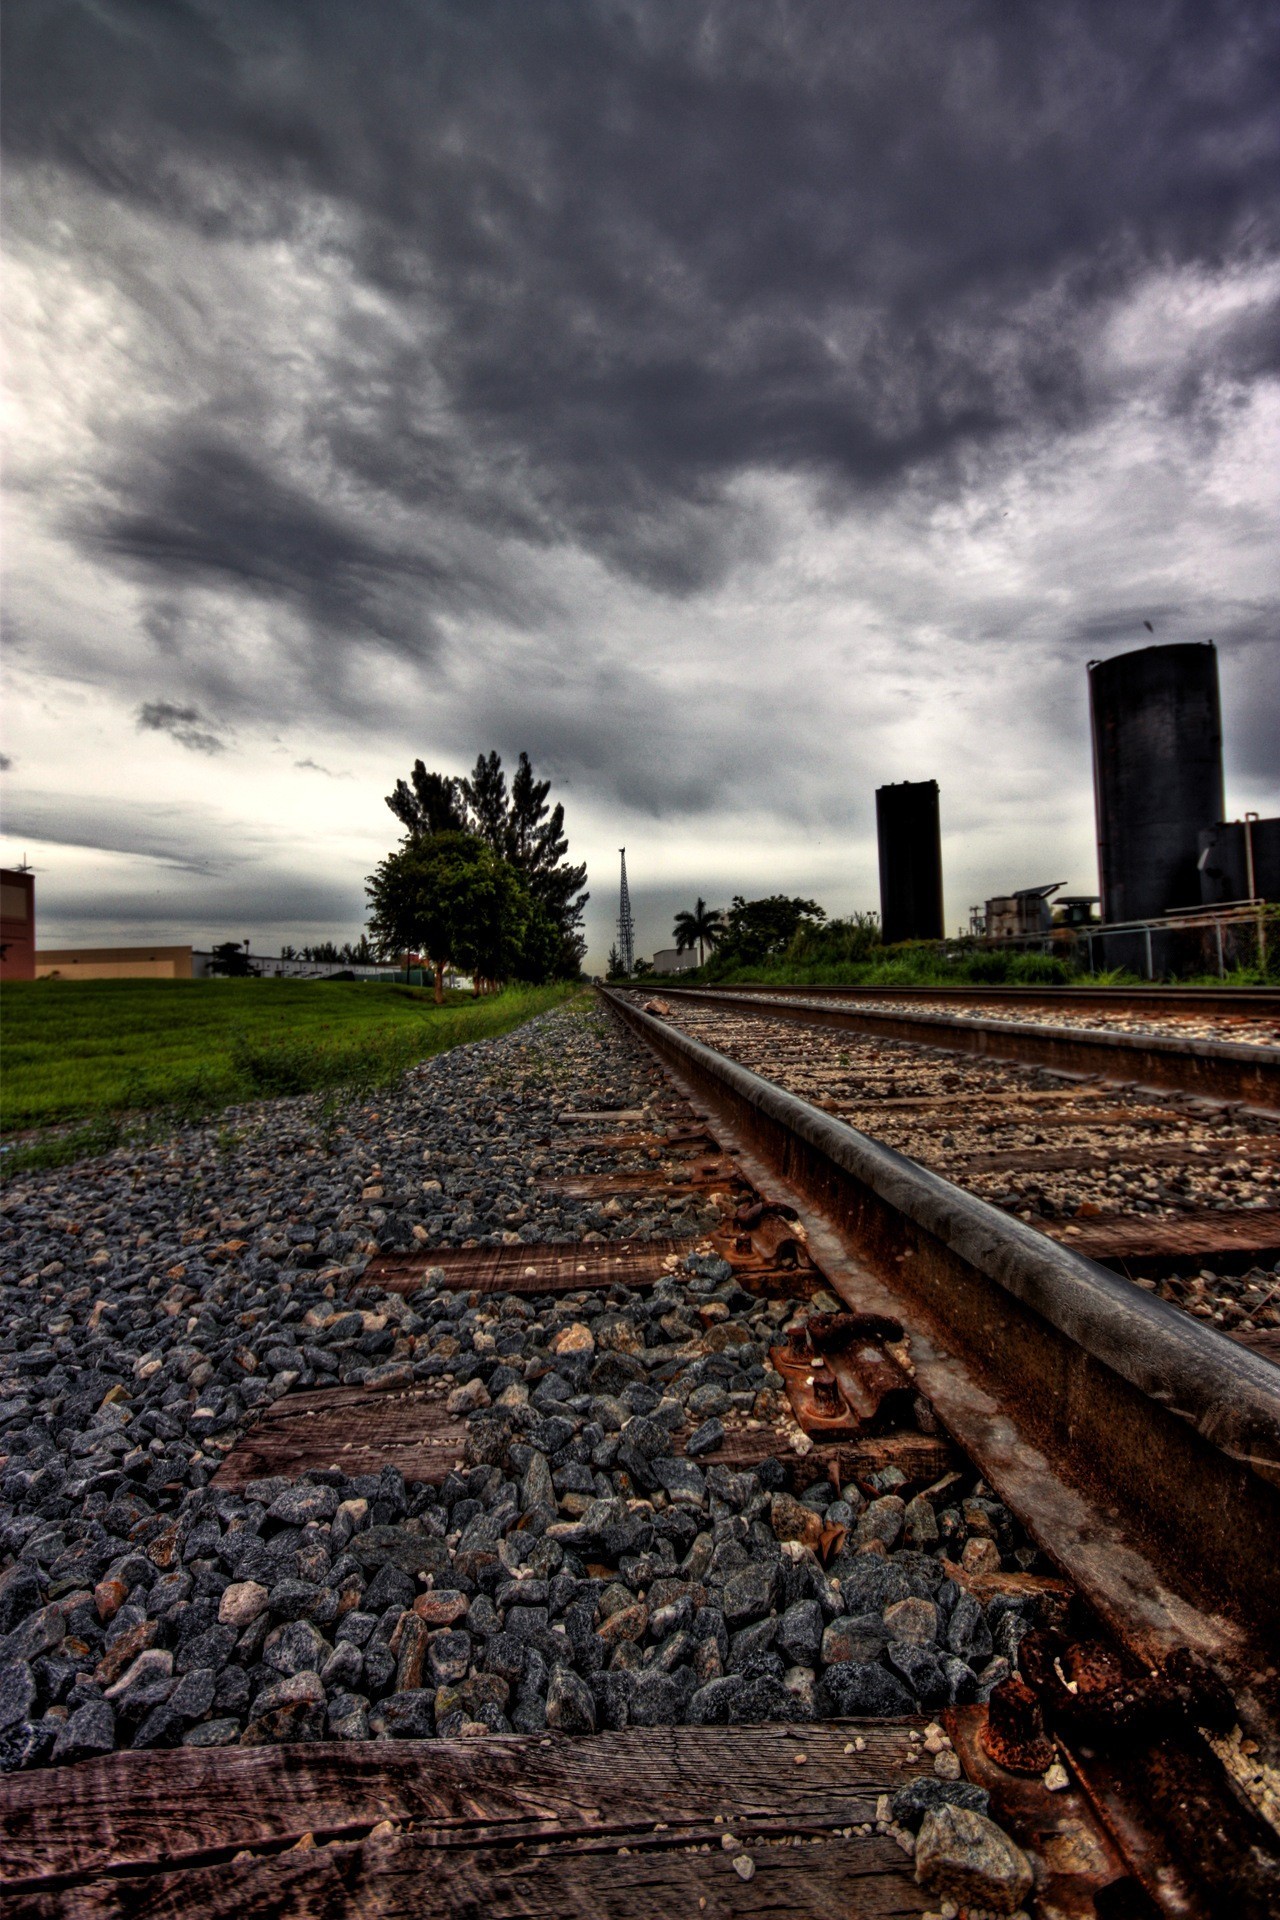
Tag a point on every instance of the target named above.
point(580, 1570)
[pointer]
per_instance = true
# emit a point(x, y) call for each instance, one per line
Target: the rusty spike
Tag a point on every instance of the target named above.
point(799, 1345)
point(826, 1396)
point(1013, 1733)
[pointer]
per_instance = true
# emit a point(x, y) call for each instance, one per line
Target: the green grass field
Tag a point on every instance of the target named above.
point(98, 1049)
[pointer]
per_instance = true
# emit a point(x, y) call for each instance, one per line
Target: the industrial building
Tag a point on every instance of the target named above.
point(1025, 911)
point(910, 842)
point(1157, 775)
point(17, 924)
point(114, 963)
point(674, 960)
point(1240, 860)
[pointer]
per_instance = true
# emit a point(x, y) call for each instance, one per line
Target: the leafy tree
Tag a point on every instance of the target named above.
point(486, 793)
point(521, 828)
point(839, 942)
point(434, 803)
point(614, 969)
point(643, 967)
point(231, 960)
point(760, 930)
point(701, 928)
point(450, 896)
point(536, 843)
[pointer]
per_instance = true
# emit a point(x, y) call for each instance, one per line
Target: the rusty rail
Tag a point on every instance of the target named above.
point(1245, 1003)
point(1139, 1447)
point(1216, 1069)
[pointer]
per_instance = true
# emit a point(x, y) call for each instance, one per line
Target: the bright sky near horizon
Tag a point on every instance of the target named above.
point(736, 405)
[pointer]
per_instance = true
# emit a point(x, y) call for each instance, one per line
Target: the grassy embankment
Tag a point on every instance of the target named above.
point(90, 1063)
point(931, 969)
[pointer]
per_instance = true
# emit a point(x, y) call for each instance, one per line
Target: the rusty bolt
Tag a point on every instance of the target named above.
point(1013, 1733)
point(799, 1346)
point(826, 1396)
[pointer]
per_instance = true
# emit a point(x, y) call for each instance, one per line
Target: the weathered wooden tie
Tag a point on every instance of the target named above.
point(621, 1826)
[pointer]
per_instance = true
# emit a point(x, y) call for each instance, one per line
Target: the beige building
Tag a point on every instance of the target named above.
point(113, 963)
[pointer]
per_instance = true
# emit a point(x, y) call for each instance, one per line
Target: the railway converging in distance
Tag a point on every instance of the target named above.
point(901, 1450)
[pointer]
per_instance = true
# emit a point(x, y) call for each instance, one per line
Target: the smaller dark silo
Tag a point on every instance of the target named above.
point(1235, 853)
point(1157, 775)
point(910, 837)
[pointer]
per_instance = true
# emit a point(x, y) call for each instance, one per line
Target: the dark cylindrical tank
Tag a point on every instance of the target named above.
point(910, 861)
point(1240, 860)
point(1157, 774)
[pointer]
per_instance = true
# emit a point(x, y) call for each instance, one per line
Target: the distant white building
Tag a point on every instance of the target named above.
point(671, 960)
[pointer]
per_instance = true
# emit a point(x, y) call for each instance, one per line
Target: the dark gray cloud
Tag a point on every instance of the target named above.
point(186, 725)
point(630, 251)
point(313, 766)
point(190, 839)
point(702, 396)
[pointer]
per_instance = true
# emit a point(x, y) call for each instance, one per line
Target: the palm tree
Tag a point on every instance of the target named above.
point(701, 927)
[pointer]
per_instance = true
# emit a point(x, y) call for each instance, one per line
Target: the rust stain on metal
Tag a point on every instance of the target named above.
point(1133, 1443)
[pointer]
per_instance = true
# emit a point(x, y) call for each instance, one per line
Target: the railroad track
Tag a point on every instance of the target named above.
point(1026, 1449)
point(1173, 1188)
point(1233, 1012)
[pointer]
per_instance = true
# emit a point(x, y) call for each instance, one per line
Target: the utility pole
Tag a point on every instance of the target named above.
point(626, 925)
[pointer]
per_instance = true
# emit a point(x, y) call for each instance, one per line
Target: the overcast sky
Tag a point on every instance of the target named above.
point(735, 405)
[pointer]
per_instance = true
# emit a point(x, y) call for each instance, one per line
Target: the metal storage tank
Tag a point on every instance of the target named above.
point(1157, 774)
point(1240, 860)
point(910, 861)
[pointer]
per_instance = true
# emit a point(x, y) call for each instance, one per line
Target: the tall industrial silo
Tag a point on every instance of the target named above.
point(910, 861)
point(1157, 774)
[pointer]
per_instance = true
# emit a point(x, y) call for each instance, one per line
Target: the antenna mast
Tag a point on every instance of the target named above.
point(626, 925)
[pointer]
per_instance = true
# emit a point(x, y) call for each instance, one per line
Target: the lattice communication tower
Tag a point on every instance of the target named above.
point(626, 925)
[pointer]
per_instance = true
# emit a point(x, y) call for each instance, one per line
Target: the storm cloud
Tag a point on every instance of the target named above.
point(183, 724)
point(695, 395)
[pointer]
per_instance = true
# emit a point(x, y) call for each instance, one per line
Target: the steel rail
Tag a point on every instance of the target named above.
point(1140, 1448)
point(1246, 1003)
point(1214, 1069)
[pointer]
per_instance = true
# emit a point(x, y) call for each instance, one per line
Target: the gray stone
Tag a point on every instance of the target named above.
point(710, 1435)
point(297, 1647)
point(194, 1693)
point(920, 1524)
point(344, 1667)
point(683, 1481)
point(912, 1620)
point(860, 1687)
point(571, 1706)
point(967, 1631)
point(800, 1632)
point(537, 1488)
point(90, 1730)
point(921, 1668)
point(883, 1520)
point(921, 1795)
point(965, 1857)
point(296, 1505)
point(749, 1592)
point(449, 1654)
point(409, 1715)
point(212, 1733)
point(162, 1727)
point(349, 1716)
point(17, 1693)
point(860, 1636)
point(655, 1700)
